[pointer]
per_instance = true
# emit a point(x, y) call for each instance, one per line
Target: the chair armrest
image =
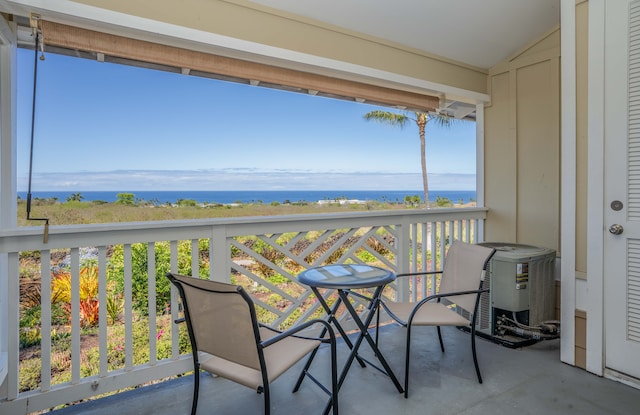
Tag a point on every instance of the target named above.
point(298, 328)
point(408, 274)
point(443, 295)
point(450, 294)
point(264, 326)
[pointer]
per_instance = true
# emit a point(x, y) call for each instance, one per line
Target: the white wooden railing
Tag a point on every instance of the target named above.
point(262, 253)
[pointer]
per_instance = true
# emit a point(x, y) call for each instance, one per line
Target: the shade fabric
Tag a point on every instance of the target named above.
point(110, 45)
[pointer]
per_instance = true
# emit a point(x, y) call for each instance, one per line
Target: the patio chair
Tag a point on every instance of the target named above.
point(456, 303)
point(227, 340)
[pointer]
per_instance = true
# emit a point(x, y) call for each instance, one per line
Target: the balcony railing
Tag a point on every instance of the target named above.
point(125, 265)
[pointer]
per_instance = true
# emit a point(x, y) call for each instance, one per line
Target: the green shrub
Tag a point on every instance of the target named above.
point(126, 198)
point(115, 305)
point(30, 333)
point(366, 256)
point(270, 254)
point(30, 374)
point(278, 279)
point(90, 363)
point(443, 202)
point(412, 201)
point(184, 344)
point(163, 348)
point(29, 336)
point(187, 203)
point(115, 274)
point(30, 327)
point(140, 265)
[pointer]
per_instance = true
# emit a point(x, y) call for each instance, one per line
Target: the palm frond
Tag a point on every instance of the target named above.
point(442, 120)
point(386, 117)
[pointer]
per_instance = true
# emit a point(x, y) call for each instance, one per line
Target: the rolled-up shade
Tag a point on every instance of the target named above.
point(75, 38)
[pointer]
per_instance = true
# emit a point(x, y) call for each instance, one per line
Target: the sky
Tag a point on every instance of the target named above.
point(108, 127)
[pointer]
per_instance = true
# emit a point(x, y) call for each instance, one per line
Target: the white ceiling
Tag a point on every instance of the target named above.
point(479, 33)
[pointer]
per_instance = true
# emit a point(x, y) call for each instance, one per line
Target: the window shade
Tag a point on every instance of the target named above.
point(74, 38)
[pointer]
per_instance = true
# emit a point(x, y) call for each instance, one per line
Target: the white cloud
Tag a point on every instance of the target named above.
point(242, 179)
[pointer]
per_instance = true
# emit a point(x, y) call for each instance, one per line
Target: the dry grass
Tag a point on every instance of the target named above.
point(88, 212)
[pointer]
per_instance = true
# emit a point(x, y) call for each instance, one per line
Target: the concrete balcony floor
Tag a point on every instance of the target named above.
point(528, 380)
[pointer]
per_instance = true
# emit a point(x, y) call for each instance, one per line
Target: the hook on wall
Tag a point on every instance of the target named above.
point(34, 23)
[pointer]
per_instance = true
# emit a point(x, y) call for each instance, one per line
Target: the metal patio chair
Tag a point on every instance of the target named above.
point(455, 304)
point(227, 340)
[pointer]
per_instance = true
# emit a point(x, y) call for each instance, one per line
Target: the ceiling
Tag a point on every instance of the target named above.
point(479, 33)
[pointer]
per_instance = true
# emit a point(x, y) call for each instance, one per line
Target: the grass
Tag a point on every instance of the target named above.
point(72, 213)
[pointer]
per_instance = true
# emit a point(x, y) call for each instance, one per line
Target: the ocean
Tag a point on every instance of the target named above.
point(256, 196)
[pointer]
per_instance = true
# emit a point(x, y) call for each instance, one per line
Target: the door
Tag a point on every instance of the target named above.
point(622, 187)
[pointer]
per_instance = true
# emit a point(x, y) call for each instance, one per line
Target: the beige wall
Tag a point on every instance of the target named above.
point(522, 147)
point(243, 20)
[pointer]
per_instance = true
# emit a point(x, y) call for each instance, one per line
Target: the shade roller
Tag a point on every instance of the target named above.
point(75, 38)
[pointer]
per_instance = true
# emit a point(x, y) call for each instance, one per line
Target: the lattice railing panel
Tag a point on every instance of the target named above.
point(270, 262)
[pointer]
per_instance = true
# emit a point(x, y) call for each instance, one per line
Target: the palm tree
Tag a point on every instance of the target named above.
point(421, 119)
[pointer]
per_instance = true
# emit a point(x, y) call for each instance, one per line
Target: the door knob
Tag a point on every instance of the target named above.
point(616, 229)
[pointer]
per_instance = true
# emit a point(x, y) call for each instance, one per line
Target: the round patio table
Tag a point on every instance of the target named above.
point(344, 278)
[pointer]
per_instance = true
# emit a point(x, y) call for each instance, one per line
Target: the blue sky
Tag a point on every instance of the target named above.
point(101, 126)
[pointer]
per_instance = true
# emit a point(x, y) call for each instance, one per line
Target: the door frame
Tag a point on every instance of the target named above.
point(594, 306)
point(568, 180)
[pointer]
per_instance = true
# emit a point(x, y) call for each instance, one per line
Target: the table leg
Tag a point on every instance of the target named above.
point(364, 334)
point(331, 312)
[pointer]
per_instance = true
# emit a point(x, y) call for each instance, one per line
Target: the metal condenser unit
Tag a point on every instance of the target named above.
point(520, 307)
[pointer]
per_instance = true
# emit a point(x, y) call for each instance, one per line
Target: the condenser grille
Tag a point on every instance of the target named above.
point(483, 321)
point(542, 294)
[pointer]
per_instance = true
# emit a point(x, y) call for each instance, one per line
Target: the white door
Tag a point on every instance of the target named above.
point(622, 187)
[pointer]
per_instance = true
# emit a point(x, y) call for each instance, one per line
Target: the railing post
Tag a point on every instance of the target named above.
point(8, 194)
point(219, 255)
point(403, 259)
point(10, 385)
point(4, 322)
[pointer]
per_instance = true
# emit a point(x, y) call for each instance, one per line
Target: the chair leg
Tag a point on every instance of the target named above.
point(196, 388)
point(406, 363)
point(440, 338)
point(475, 356)
point(377, 322)
point(267, 399)
point(334, 378)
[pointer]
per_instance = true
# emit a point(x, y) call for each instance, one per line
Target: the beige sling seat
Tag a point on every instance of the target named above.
point(228, 341)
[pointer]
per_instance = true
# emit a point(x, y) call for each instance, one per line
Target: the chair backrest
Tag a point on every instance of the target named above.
point(463, 271)
point(221, 319)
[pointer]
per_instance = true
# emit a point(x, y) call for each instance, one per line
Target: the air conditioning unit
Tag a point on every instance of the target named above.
point(521, 301)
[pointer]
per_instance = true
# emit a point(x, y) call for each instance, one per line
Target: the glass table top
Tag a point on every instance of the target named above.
point(346, 276)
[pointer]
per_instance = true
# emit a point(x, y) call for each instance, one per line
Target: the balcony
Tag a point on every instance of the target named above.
point(530, 380)
point(264, 254)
